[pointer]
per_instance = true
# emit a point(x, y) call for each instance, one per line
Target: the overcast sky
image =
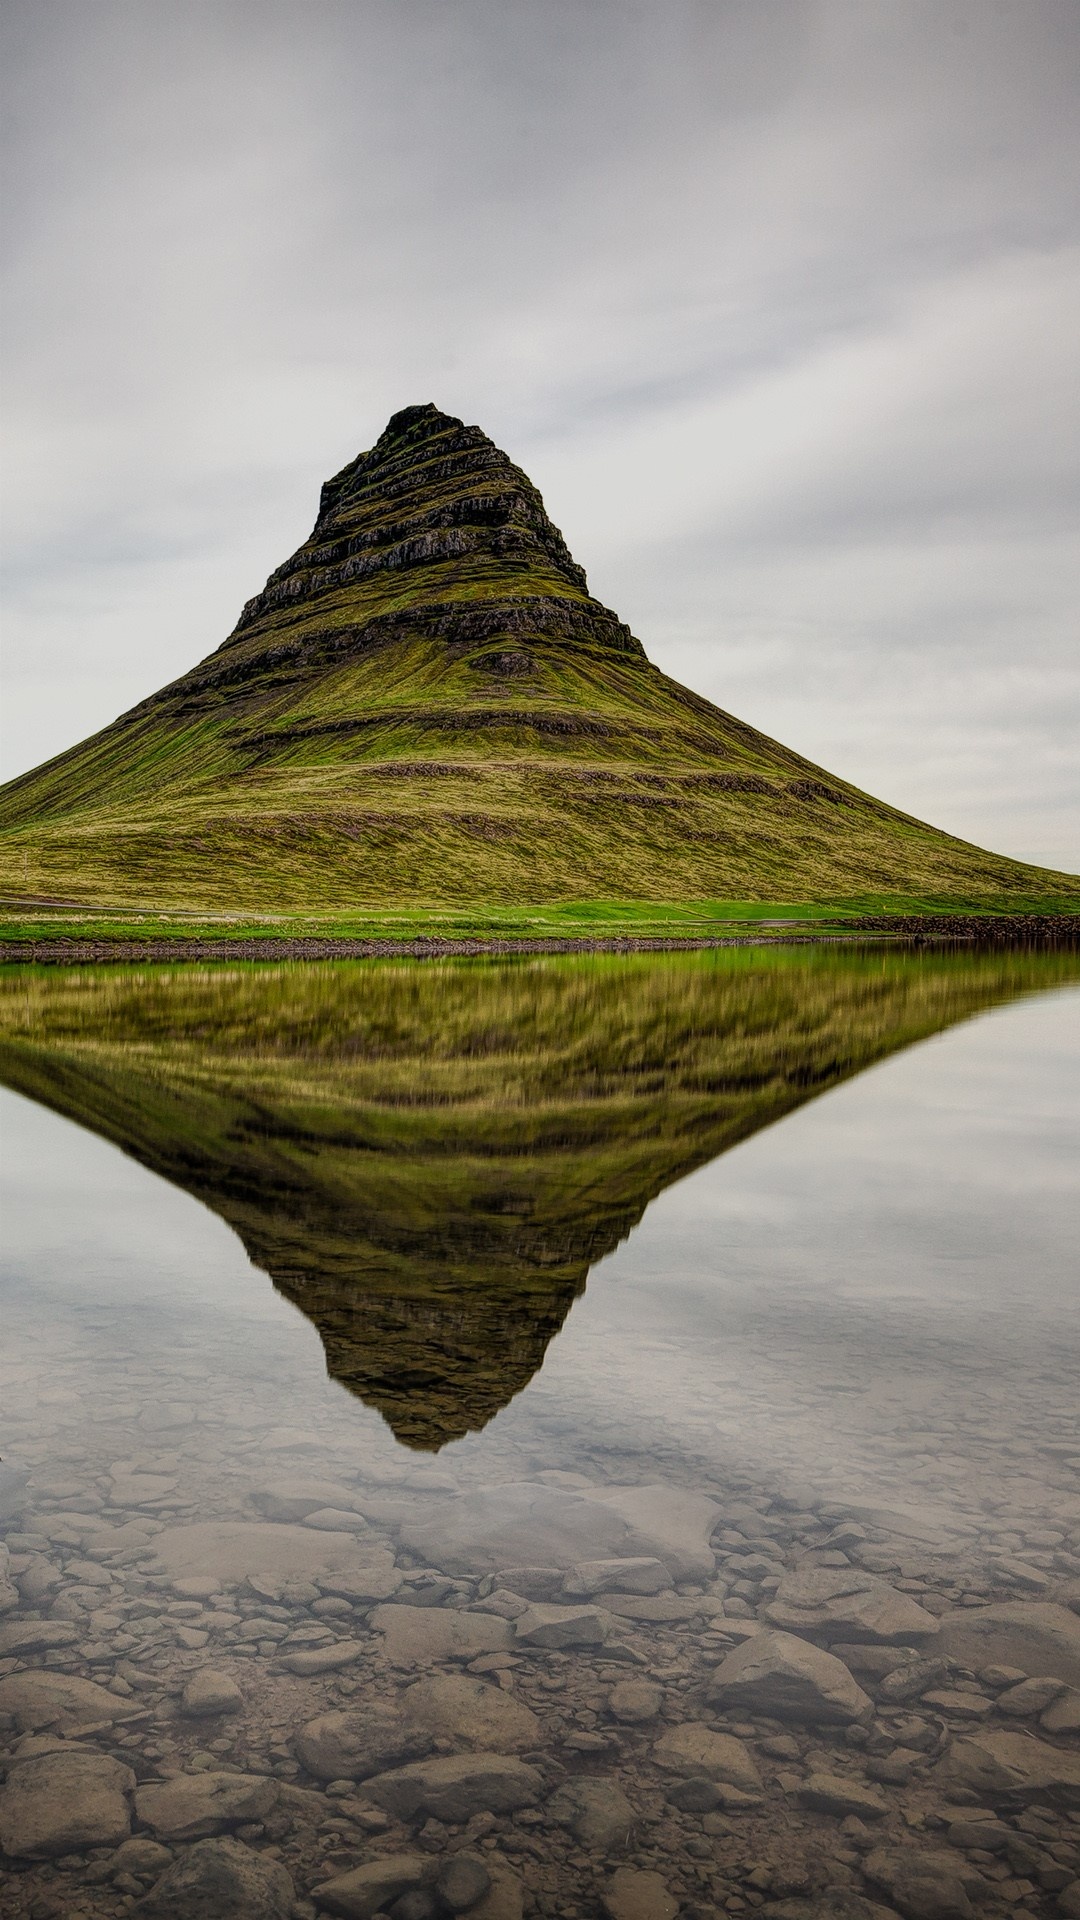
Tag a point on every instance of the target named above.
point(777, 301)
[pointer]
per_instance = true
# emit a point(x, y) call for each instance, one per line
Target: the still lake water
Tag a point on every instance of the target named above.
point(502, 1358)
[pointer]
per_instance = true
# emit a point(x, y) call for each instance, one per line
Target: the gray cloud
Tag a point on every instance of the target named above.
point(776, 303)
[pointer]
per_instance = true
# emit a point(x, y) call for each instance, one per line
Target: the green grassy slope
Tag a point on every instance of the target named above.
point(425, 706)
point(428, 1159)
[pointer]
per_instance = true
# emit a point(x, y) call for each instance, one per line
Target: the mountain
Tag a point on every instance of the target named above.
point(425, 704)
point(428, 1160)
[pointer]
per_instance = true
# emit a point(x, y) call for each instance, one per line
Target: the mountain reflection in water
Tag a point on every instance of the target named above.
point(427, 1158)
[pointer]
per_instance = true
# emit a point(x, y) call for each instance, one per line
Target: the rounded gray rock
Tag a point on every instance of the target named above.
point(789, 1679)
point(209, 1692)
point(373, 1887)
point(351, 1743)
point(597, 1812)
point(634, 1895)
point(470, 1712)
point(697, 1752)
point(462, 1882)
point(420, 1903)
point(457, 1787)
point(191, 1805)
point(220, 1880)
point(829, 1603)
point(1034, 1636)
point(1010, 1766)
point(552, 1626)
point(926, 1885)
point(635, 1701)
point(56, 1803)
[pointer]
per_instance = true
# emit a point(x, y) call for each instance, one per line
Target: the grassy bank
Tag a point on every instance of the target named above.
point(572, 922)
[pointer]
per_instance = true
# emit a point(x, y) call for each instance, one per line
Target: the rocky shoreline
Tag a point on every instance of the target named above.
point(1016, 930)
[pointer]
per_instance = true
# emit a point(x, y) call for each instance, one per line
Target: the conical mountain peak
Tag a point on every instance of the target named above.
point(437, 504)
point(425, 704)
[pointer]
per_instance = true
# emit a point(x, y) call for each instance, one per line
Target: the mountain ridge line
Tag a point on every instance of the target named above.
point(435, 619)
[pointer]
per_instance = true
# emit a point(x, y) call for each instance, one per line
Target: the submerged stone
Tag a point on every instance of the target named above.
point(61, 1802)
point(697, 1751)
point(597, 1812)
point(1009, 1765)
point(676, 1524)
point(457, 1787)
point(790, 1679)
point(293, 1499)
point(230, 1550)
point(1035, 1636)
point(462, 1881)
point(193, 1804)
point(632, 1894)
point(210, 1692)
point(40, 1699)
point(553, 1626)
point(523, 1523)
point(220, 1880)
point(417, 1636)
point(471, 1712)
point(354, 1742)
point(592, 1577)
point(634, 1701)
point(833, 1604)
point(926, 1883)
point(374, 1887)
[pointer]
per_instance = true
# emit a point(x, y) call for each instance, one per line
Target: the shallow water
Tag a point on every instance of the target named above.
point(787, 1238)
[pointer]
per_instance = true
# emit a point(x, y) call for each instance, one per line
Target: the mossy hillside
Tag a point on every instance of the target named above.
point(425, 707)
point(428, 1159)
point(398, 780)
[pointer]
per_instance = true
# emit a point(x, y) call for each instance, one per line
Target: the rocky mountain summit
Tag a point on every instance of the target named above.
point(435, 494)
point(425, 704)
point(432, 534)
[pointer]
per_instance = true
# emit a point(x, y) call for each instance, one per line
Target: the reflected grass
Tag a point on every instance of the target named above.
point(428, 1157)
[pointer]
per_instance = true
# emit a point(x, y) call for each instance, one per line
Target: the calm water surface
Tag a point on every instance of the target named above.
point(496, 1359)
